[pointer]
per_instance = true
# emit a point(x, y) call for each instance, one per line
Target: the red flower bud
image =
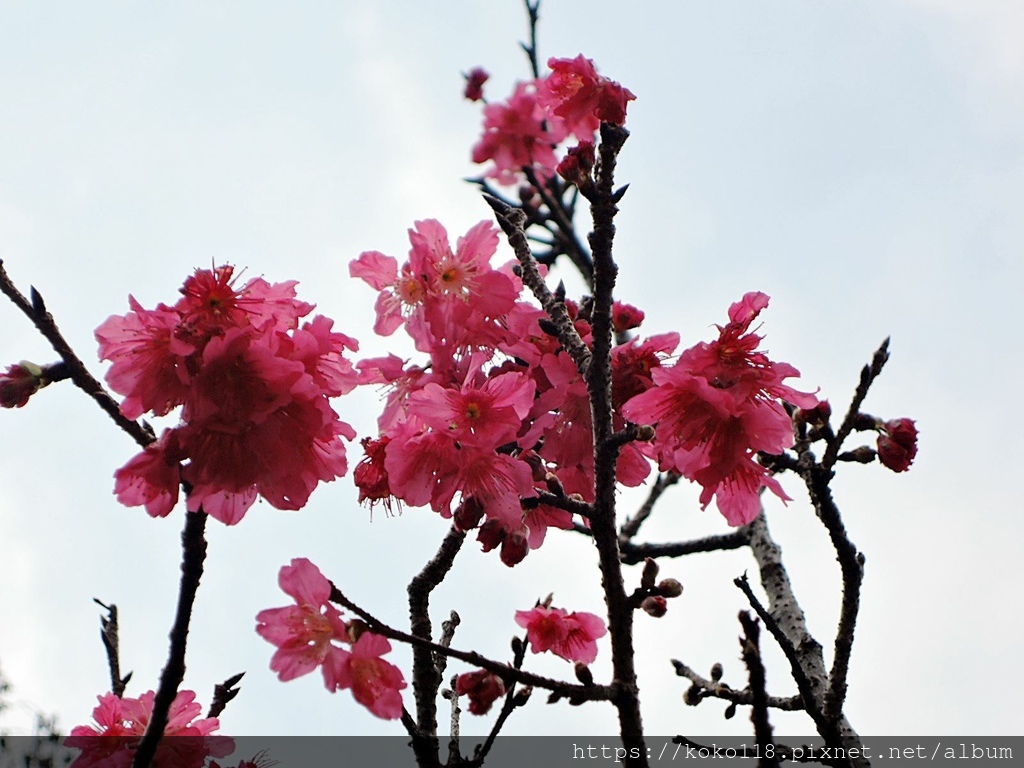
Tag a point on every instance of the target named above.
point(483, 689)
point(897, 445)
point(475, 84)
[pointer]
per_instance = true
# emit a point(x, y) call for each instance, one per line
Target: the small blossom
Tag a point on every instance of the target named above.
point(626, 317)
point(19, 383)
point(654, 605)
point(582, 98)
point(304, 633)
point(375, 683)
point(483, 689)
point(475, 84)
point(573, 636)
point(897, 445)
point(576, 166)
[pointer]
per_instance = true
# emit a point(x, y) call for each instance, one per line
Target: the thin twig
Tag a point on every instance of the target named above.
point(505, 672)
point(724, 692)
point(751, 652)
point(867, 375)
point(633, 553)
point(632, 525)
point(110, 634)
point(36, 311)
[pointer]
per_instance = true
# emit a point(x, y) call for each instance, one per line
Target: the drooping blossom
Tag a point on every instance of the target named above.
point(253, 384)
point(897, 444)
point(375, 683)
point(573, 636)
point(475, 80)
point(716, 408)
point(19, 382)
point(582, 98)
point(305, 633)
point(483, 689)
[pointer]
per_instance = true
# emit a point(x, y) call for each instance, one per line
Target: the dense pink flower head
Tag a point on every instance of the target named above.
point(716, 408)
point(582, 98)
point(304, 633)
point(573, 636)
point(254, 389)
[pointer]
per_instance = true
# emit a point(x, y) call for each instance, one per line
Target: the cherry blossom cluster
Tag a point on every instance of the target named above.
point(525, 130)
point(716, 407)
point(119, 723)
point(253, 386)
point(499, 413)
point(312, 634)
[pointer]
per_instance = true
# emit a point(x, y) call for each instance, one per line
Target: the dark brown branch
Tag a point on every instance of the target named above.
point(717, 690)
point(568, 503)
point(851, 564)
point(223, 693)
point(867, 376)
point(193, 545)
point(78, 373)
point(632, 525)
point(599, 387)
point(533, 11)
point(633, 552)
point(110, 634)
point(751, 652)
point(511, 221)
point(505, 672)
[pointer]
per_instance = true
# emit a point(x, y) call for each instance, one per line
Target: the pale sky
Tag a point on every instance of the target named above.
point(863, 164)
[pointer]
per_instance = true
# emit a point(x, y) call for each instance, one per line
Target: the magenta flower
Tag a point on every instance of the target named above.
point(718, 406)
point(573, 636)
point(517, 135)
point(582, 98)
point(253, 386)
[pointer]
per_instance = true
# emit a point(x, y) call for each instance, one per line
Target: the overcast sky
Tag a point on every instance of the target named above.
point(863, 164)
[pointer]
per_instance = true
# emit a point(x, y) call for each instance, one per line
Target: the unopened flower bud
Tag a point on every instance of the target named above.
point(517, 646)
point(515, 547)
point(898, 446)
point(491, 534)
point(19, 383)
point(522, 696)
point(355, 629)
point(554, 484)
point(583, 673)
point(692, 696)
point(625, 317)
point(716, 672)
point(862, 455)
point(655, 606)
point(650, 573)
point(469, 514)
point(645, 433)
point(730, 711)
point(475, 80)
point(669, 588)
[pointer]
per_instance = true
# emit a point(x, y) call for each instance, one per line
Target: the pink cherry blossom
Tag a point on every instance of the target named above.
point(573, 636)
point(718, 406)
point(375, 683)
point(305, 633)
point(575, 93)
point(517, 135)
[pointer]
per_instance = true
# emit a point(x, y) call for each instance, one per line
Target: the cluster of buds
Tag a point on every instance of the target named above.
point(652, 598)
point(896, 446)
